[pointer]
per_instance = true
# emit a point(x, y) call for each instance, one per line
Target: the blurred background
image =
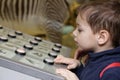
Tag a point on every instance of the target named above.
point(53, 20)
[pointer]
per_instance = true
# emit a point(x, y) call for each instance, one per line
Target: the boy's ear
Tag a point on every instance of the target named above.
point(102, 37)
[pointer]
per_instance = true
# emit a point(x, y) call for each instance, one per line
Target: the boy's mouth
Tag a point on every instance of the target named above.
point(76, 43)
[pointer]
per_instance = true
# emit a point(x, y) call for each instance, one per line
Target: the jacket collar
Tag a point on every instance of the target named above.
point(95, 56)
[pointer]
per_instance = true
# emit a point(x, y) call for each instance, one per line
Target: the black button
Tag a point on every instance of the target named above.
point(20, 51)
point(56, 49)
point(52, 54)
point(29, 47)
point(1, 27)
point(33, 42)
point(18, 33)
point(38, 39)
point(4, 39)
point(58, 45)
point(48, 61)
point(11, 35)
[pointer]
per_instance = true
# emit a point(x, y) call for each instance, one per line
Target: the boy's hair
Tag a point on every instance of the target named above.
point(103, 16)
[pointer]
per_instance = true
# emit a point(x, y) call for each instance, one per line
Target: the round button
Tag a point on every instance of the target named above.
point(1, 27)
point(29, 47)
point(38, 39)
point(48, 61)
point(56, 49)
point(18, 33)
point(20, 51)
point(52, 54)
point(11, 35)
point(3, 39)
point(58, 45)
point(33, 42)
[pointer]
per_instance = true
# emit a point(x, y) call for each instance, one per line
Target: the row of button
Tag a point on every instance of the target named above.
point(22, 52)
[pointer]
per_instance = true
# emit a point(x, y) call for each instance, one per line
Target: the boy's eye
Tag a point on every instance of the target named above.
point(79, 30)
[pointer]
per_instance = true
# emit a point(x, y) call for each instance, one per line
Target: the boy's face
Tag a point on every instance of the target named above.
point(83, 35)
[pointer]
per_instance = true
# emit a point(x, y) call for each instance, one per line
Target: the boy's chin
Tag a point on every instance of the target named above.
point(77, 45)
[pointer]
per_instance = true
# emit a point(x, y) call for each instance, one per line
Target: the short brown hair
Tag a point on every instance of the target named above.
point(103, 15)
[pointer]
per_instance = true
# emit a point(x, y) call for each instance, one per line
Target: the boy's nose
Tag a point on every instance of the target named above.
point(74, 33)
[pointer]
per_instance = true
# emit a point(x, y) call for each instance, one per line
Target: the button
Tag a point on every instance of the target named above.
point(18, 33)
point(58, 45)
point(20, 51)
point(12, 35)
point(4, 39)
point(52, 54)
point(56, 49)
point(48, 61)
point(1, 27)
point(33, 42)
point(29, 47)
point(38, 39)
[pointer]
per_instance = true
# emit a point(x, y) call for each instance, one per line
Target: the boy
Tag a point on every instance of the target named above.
point(98, 34)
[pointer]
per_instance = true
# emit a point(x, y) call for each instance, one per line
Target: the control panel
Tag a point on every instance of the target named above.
point(30, 55)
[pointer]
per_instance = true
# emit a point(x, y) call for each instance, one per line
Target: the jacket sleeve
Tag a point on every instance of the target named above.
point(78, 70)
point(111, 74)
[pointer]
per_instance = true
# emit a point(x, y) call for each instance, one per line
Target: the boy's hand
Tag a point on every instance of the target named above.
point(72, 63)
point(67, 74)
point(79, 53)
